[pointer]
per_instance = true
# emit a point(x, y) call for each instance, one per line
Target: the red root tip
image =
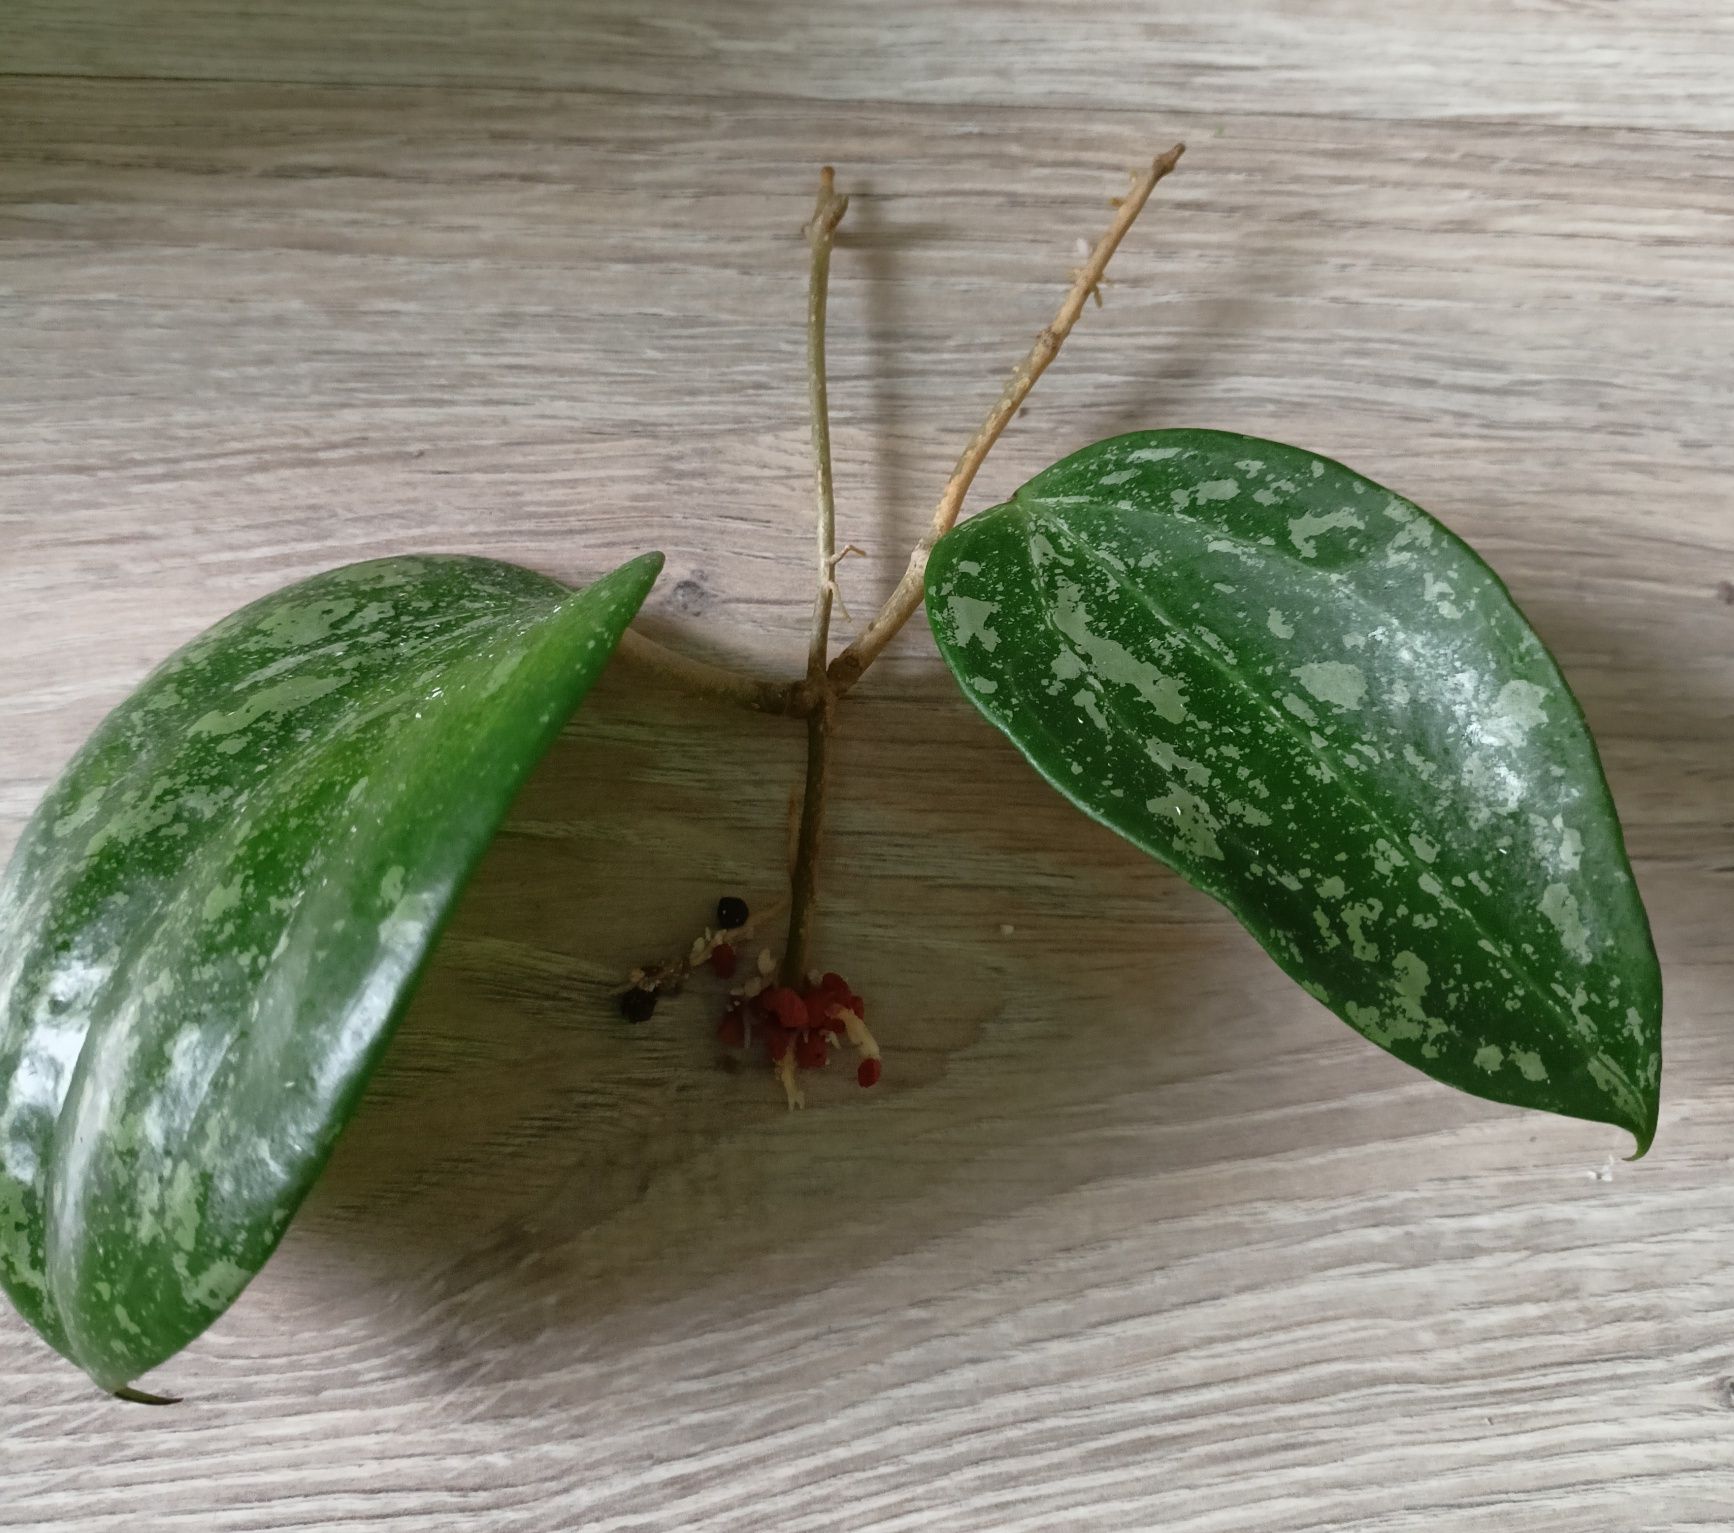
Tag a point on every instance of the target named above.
point(783, 1006)
point(810, 1051)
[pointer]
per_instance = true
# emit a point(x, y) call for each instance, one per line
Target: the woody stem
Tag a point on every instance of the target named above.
point(821, 230)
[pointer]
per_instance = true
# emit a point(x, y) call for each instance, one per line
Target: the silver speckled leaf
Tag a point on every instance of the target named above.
point(1314, 702)
point(221, 907)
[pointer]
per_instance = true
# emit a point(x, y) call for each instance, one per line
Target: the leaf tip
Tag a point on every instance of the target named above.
point(646, 566)
point(1644, 1134)
point(627, 584)
point(143, 1397)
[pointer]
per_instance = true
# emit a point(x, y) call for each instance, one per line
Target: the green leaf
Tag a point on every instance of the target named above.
point(1312, 701)
point(215, 917)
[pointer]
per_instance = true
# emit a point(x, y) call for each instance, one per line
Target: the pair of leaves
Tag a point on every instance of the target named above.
point(1293, 687)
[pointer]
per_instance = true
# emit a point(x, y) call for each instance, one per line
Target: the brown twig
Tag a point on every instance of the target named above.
point(821, 231)
point(848, 667)
point(803, 877)
point(803, 698)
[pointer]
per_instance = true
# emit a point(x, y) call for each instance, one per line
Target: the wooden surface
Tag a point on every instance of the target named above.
point(1134, 1236)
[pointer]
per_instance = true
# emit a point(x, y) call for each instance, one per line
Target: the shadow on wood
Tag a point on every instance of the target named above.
point(528, 1167)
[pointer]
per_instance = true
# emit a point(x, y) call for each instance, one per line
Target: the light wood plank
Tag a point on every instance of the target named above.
point(1649, 63)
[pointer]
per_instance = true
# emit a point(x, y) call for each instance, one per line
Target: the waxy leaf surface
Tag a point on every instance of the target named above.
point(1315, 703)
point(211, 923)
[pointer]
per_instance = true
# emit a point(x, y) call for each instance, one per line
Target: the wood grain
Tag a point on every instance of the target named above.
point(1132, 1236)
